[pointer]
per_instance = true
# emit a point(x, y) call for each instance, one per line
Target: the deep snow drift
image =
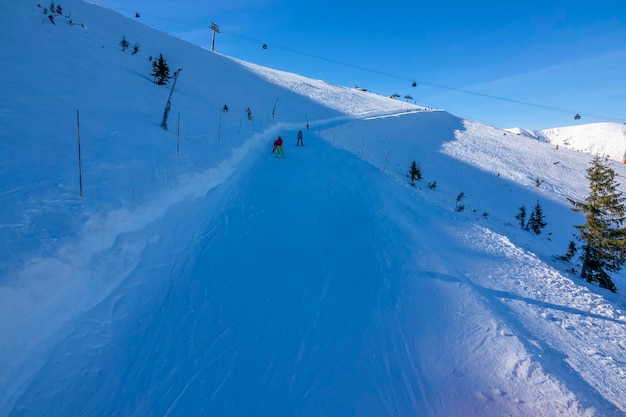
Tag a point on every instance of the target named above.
point(199, 275)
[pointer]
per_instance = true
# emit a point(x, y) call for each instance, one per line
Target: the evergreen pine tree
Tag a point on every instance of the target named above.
point(531, 221)
point(124, 43)
point(521, 216)
point(415, 173)
point(535, 221)
point(160, 70)
point(604, 247)
point(571, 251)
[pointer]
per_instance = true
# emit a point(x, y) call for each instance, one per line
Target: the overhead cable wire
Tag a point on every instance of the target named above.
point(394, 76)
point(430, 84)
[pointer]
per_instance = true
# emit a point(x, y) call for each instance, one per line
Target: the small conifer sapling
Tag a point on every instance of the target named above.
point(124, 43)
point(160, 71)
point(535, 221)
point(521, 216)
point(415, 173)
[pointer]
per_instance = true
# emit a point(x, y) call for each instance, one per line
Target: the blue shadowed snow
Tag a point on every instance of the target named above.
point(219, 280)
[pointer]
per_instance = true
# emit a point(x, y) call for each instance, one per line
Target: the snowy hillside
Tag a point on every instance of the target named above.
point(604, 139)
point(199, 275)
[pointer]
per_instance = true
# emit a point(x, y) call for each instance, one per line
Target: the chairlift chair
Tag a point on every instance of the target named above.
point(577, 116)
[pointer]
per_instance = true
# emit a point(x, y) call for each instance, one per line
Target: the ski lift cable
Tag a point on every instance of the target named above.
point(388, 74)
point(143, 14)
point(435, 85)
point(321, 58)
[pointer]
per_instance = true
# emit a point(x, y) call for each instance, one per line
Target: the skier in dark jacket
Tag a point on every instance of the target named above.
point(299, 141)
point(278, 148)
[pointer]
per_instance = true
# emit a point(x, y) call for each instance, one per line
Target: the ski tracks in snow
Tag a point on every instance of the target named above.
point(578, 321)
point(89, 268)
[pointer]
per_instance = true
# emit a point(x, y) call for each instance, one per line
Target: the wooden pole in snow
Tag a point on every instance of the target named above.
point(178, 136)
point(386, 159)
point(80, 164)
point(219, 130)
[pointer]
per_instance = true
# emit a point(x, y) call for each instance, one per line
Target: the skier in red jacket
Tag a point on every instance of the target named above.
point(278, 148)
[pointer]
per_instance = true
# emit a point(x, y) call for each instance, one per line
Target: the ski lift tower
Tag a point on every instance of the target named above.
point(215, 29)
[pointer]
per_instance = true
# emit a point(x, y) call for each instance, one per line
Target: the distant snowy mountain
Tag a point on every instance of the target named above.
point(198, 275)
point(603, 139)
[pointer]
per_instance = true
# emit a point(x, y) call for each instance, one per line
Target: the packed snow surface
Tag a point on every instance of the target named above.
point(604, 139)
point(199, 275)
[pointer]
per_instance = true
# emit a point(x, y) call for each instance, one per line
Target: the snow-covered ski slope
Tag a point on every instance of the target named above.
point(603, 139)
point(198, 275)
point(606, 139)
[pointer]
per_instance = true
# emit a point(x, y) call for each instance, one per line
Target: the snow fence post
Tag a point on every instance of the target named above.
point(178, 136)
point(219, 129)
point(386, 159)
point(80, 164)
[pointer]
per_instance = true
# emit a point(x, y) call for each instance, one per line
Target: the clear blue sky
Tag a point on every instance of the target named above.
point(564, 57)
